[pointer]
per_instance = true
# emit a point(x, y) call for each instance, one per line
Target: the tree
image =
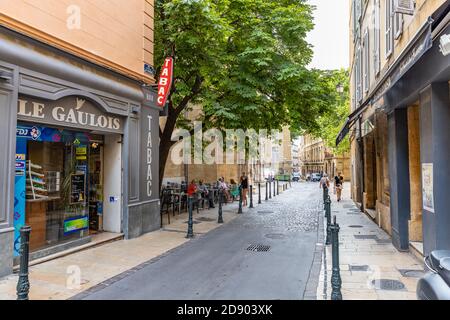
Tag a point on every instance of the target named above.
point(243, 61)
point(331, 122)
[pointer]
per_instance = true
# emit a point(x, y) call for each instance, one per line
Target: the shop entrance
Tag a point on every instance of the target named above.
point(95, 186)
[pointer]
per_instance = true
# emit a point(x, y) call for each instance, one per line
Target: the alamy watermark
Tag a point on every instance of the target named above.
point(73, 21)
point(229, 146)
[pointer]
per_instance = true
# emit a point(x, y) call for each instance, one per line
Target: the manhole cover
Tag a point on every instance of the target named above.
point(388, 284)
point(275, 236)
point(265, 212)
point(355, 226)
point(411, 273)
point(204, 219)
point(258, 248)
point(365, 237)
point(359, 268)
point(194, 222)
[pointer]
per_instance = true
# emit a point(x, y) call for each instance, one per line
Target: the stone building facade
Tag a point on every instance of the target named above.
point(79, 124)
point(315, 157)
point(400, 101)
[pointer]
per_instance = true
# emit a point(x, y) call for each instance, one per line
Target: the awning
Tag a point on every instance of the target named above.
point(418, 46)
point(350, 122)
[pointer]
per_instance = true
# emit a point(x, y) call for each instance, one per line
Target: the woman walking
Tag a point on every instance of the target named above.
point(244, 186)
point(338, 182)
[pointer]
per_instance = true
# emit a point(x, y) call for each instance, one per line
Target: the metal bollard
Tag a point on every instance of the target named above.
point(259, 193)
point(267, 197)
point(328, 216)
point(190, 233)
point(270, 190)
point(23, 285)
point(240, 200)
point(274, 191)
point(324, 194)
point(220, 220)
point(251, 196)
point(278, 187)
point(336, 281)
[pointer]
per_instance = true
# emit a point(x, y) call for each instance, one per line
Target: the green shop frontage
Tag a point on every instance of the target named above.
point(79, 151)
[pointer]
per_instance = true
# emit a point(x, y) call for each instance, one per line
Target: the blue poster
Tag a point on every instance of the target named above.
point(19, 192)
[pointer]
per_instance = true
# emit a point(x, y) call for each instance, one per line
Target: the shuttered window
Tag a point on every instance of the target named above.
point(366, 59)
point(376, 37)
point(389, 30)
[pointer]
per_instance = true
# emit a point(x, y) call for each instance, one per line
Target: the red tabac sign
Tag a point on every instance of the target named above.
point(165, 81)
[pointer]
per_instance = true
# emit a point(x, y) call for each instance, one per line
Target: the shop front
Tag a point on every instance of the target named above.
point(60, 170)
point(79, 151)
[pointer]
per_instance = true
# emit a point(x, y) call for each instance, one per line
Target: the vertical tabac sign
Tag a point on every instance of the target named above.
point(165, 81)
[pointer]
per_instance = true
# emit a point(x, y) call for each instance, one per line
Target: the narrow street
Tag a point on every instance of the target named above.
point(219, 265)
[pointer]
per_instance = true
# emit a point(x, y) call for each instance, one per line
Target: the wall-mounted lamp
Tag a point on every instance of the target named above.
point(445, 44)
point(134, 109)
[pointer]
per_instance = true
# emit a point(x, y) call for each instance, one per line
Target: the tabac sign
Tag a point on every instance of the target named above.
point(71, 112)
point(165, 81)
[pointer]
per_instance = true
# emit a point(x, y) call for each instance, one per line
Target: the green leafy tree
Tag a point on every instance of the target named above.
point(243, 61)
point(331, 122)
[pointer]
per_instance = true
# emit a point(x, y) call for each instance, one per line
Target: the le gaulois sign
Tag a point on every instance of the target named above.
point(165, 81)
point(69, 112)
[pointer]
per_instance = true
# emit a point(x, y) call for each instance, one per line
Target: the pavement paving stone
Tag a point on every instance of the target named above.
point(383, 260)
point(49, 279)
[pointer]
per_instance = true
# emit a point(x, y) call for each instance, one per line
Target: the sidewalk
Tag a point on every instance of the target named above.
point(53, 280)
point(367, 256)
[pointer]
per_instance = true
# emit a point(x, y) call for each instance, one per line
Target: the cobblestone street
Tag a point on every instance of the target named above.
point(226, 263)
point(273, 251)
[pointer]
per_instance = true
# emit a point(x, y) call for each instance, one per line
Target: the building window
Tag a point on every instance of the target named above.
point(398, 25)
point(366, 65)
point(376, 38)
point(389, 29)
point(358, 75)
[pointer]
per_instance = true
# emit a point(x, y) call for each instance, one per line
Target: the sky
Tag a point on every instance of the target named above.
point(330, 36)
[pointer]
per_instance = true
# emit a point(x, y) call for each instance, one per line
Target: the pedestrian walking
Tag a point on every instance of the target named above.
point(244, 186)
point(338, 185)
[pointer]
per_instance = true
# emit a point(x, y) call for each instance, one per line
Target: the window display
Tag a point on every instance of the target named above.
point(63, 184)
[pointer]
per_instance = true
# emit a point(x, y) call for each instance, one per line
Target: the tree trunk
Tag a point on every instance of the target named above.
point(165, 144)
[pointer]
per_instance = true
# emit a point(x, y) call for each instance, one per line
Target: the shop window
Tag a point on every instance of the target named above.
point(62, 182)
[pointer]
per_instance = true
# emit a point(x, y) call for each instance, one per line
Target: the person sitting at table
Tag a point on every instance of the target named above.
point(224, 187)
point(234, 189)
point(193, 192)
point(205, 194)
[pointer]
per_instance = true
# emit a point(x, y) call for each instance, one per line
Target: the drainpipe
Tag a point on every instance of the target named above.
point(361, 149)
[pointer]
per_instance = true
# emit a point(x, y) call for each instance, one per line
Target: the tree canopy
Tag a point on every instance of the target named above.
point(332, 121)
point(244, 61)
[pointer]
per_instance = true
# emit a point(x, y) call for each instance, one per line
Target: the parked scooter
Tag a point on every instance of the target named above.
point(435, 285)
